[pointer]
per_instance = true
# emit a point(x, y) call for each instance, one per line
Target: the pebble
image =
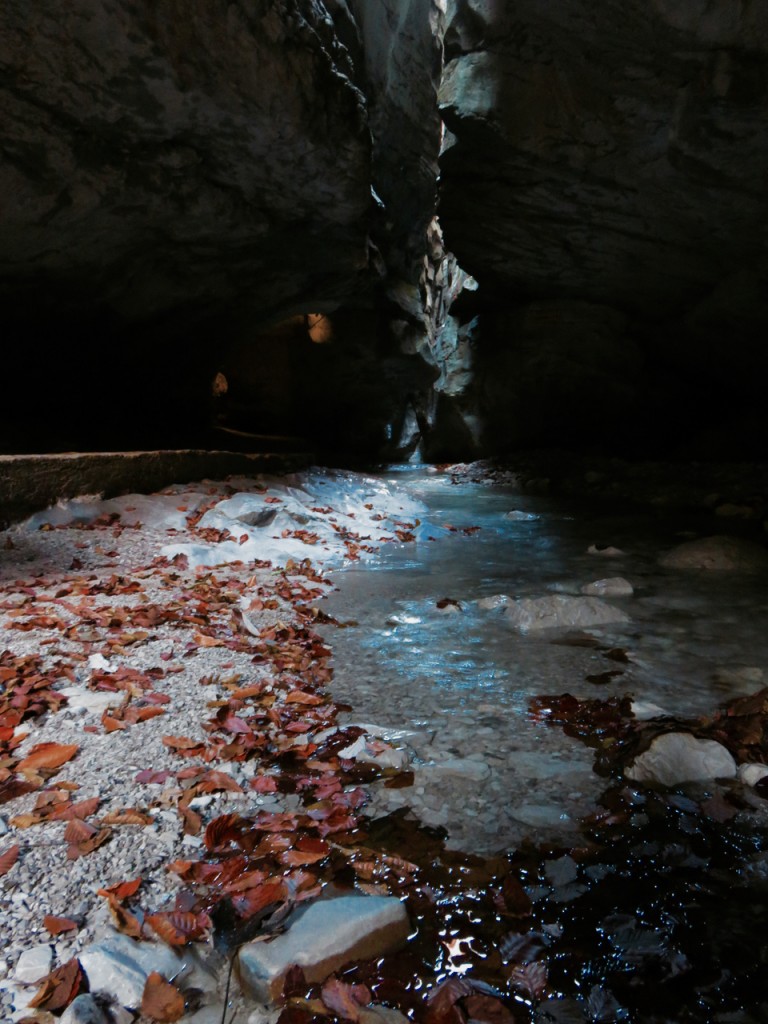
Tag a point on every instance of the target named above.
point(84, 1010)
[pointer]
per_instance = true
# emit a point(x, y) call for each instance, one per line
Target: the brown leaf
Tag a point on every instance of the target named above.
point(177, 928)
point(57, 925)
point(77, 831)
point(127, 816)
point(125, 921)
point(161, 1001)
point(487, 1009)
point(122, 890)
point(203, 640)
point(60, 987)
point(47, 756)
point(8, 858)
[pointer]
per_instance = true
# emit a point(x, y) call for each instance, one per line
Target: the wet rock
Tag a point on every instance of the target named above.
point(516, 515)
point(120, 967)
point(643, 709)
point(493, 602)
point(719, 554)
point(325, 936)
point(84, 1010)
point(680, 757)
point(604, 552)
point(467, 768)
point(561, 612)
point(373, 751)
point(614, 586)
point(751, 774)
point(34, 964)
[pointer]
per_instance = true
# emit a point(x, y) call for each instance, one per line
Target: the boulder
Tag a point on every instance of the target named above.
point(677, 757)
point(322, 938)
point(718, 554)
point(559, 611)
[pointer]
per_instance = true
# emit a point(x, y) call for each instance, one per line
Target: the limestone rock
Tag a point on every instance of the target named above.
point(614, 586)
point(722, 554)
point(34, 963)
point(751, 774)
point(326, 935)
point(680, 757)
point(120, 967)
point(559, 611)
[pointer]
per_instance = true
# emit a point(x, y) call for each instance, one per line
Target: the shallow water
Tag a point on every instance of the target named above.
point(455, 685)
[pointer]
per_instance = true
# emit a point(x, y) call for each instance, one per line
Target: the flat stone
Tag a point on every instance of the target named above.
point(34, 964)
point(559, 611)
point(680, 757)
point(322, 938)
point(120, 967)
point(614, 586)
point(718, 554)
point(84, 1010)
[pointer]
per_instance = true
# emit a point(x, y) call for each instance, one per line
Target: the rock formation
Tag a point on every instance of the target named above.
point(611, 155)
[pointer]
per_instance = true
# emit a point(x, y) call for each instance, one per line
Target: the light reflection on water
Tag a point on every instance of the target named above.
point(461, 680)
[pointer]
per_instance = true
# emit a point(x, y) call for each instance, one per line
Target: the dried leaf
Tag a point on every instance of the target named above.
point(60, 987)
point(177, 928)
point(8, 858)
point(161, 1001)
point(47, 756)
point(57, 925)
point(345, 1000)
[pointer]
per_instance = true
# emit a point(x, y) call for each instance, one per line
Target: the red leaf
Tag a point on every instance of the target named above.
point(345, 1000)
point(57, 925)
point(60, 987)
point(8, 859)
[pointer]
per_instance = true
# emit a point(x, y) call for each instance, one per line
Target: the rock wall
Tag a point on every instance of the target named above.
point(616, 154)
point(177, 175)
point(157, 155)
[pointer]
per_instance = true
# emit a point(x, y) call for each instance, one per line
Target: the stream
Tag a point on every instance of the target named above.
point(454, 685)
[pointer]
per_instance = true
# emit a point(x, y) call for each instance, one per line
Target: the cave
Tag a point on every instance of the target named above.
point(510, 256)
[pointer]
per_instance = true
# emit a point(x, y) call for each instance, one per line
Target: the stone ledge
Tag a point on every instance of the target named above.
point(32, 482)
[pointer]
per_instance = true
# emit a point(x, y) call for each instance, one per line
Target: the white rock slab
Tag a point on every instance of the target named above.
point(613, 586)
point(120, 966)
point(33, 964)
point(328, 934)
point(679, 757)
point(558, 611)
point(718, 554)
point(751, 774)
